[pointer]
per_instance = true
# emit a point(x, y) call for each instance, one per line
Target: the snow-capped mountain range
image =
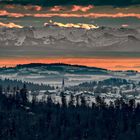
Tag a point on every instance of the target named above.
point(100, 39)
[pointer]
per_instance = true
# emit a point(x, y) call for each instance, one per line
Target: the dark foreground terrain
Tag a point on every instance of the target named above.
point(24, 120)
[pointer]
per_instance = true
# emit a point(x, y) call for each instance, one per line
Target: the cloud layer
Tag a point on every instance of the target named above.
point(78, 15)
point(10, 25)
point(72, 2)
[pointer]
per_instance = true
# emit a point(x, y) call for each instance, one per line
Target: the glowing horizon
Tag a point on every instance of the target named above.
point(106, 63)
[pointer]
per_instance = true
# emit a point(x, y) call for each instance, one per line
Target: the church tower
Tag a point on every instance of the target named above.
point(63, 85)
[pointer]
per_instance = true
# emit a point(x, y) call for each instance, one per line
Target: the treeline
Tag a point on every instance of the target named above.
point(77, 2)
point(107, 83)
point(20, 119)
point(12, 84)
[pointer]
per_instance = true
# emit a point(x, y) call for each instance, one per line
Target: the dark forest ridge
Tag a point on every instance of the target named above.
point(58, 65)
point(65, 67)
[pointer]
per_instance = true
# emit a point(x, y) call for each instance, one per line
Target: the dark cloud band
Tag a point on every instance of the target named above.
point(71, 2)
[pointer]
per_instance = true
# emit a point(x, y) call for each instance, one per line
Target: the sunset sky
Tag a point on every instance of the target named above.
point(37, 15)
point(107, 63)
point(98, 13)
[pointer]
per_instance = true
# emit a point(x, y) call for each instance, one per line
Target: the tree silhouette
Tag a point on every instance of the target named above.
point(63, 100)
point(1, 89)
point(23, 94)
point(72, 101)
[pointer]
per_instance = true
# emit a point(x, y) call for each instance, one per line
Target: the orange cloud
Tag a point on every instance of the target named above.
point(68, 25)
point(57, 8)
point(16, 15)
point(10, 25)
point(86, 15)
point(125, 25)
point(33, 7)
point(9, 6)
point(89, 15)
point(81, 8)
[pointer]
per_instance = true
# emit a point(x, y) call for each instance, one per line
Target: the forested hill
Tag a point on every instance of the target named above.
point(7, 83)
point(59, 66)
